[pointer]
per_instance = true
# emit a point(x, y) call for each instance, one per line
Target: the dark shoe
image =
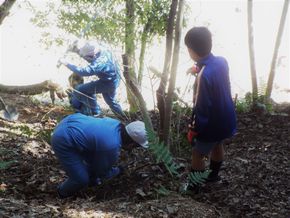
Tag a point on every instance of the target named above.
point(211, 179)
point(189, 188)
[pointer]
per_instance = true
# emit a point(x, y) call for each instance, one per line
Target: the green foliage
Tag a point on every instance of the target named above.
point(198, 178)
point(162, 191)
point(5, 164)
point(45, 135)
point(162, 153)
point(109, 23)
point(246, 104)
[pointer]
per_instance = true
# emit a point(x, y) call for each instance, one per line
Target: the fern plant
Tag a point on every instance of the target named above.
point(161, 153)
point(199, 178)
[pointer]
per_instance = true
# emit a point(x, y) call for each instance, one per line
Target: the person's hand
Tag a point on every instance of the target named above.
point(62, 61)
point(191, 134)
point(122, 169)
point(193, 70)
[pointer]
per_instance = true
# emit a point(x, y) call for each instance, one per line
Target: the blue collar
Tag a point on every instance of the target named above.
point(205, 60)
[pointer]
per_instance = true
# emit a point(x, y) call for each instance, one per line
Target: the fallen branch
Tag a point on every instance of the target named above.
point(35, 89)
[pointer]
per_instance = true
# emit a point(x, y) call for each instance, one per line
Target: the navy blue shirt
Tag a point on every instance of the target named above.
point(214, 112)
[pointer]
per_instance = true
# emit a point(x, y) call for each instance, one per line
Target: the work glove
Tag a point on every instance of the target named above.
point(62, 61)
point(122, 169)
point(191, 134)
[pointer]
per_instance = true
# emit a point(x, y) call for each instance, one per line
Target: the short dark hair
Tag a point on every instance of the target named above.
point(199, 40)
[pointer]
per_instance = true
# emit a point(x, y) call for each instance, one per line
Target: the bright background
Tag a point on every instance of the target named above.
point(24, 60)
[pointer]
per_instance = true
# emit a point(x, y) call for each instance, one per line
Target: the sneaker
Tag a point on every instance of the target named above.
point(190, 189)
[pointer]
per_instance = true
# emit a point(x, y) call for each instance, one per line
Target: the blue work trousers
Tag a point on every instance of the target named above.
point(82, 168)
point(84, 99)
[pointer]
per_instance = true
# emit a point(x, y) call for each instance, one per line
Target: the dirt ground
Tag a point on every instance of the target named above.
point(255, 176)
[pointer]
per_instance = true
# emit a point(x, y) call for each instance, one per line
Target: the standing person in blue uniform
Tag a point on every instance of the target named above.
point(103, 65)
point(88, 149)
point(213, 117)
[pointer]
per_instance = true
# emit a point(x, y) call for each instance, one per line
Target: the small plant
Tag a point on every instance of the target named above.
point(198, 178)
point(162, 191)
point(162, 153)
point(5, 164)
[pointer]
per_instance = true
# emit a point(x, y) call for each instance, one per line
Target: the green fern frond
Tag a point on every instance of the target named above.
point(6, 164)
point(162, 191)
point(162, 153)
point(199, 178)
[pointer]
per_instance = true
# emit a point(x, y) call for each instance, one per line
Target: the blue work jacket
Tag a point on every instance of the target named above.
point(214, 113)
point(104, 66)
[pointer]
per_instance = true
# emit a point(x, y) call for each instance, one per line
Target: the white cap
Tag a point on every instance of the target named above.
point(89, 49)
point(136, 130)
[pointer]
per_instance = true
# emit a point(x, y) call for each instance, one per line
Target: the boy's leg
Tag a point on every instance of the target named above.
point(199, 151)
point(216, 160)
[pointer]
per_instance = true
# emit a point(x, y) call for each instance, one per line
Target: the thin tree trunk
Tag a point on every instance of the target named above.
point(252, 52)
point(5, 8)
point(144, 38)
point(130, 48)
point(135, 90)
point(160, 93)
point(175, 59)
point(275, 54)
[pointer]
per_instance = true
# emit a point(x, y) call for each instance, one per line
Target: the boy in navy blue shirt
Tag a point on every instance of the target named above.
point(213, 117)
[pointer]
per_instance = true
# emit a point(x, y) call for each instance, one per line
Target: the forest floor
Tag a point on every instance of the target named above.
point(255, 175)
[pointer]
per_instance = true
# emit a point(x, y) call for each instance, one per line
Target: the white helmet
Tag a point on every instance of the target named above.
point(89, 49)
point(136, 130)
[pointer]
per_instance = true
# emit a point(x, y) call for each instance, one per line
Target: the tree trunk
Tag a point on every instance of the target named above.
point(160, 93)
point(35, 89)
point(5, 8)
point(130, 49)
point(252, 52)
point(277, 45)
point(144, 38)
point(135, 90)
point(175, 59)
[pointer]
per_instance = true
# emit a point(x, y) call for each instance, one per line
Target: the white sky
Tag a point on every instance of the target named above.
point(24, 61)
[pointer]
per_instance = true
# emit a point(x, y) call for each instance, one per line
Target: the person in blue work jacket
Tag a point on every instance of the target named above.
point(213, 117)
point(103, 65)
point(88, 149)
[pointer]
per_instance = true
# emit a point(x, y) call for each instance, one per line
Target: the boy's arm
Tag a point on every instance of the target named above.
point(203, 105)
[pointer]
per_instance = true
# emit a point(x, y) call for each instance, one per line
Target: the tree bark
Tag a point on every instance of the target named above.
point(160, 93)
point(130, 48)
point(35, 89)
point(5, 8)
point(275, 54)
point(252, 52)
point(131, 84)
point(175, 59)
point(144, 38)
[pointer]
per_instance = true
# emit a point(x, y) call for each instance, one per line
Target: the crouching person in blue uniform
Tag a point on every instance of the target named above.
point(88, 149)
point(213, 117)
point(103, 65)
